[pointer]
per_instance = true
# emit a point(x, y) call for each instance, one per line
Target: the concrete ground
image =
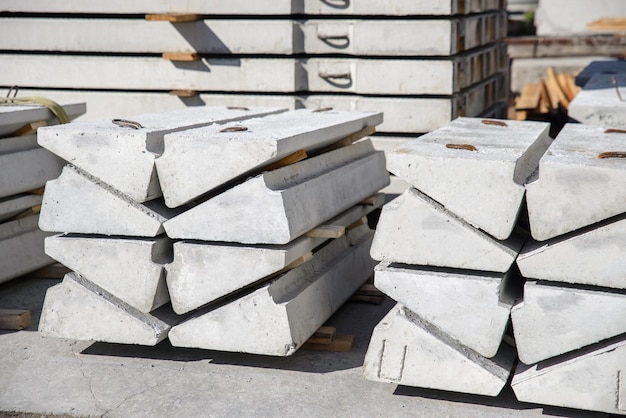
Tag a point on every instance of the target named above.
point(56, 377)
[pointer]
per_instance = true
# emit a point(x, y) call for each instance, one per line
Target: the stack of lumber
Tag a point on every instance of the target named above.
point(569, 328)
point(447, 249)
point(24, 169)
point(236, 229)
point(547, 98)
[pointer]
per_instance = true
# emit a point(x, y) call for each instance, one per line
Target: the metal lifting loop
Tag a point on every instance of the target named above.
point(234, 129)
point(467, 147)
point(125, 123)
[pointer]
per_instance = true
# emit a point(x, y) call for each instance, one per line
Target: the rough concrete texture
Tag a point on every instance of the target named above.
point(205, 271)
point(197, 161)
point(481, 182)
point(24, 166)
point(122, 156)
point(77, 202)
point(15, 117)
point(279, 316)
point(471, 307)
point(130, 269)
point(604, 66)
point(573, 17)
point(598, 102)
point(16, 204)
point(591, 256)
point(277, 206)
point(412, 225)
point(21, 248)
point(590, 379)
point(553, 319)
point(576, 185)
point(407, 350)
point(80, 310)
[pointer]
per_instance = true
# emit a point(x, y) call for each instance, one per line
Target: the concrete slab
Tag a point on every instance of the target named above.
point(570, 17)
point(198, 161)
point(278, 206)
point(16, 204)
point(598, 102)
point(553, 319)
point(21, 248)
point(471, 307)
point(202, 272)
point(13, 118)
point(80, 310)
point(589, 379)
point(593, 256)
point(130, 269)
point(605, 66)
point(406, 350)
point(25, 168)
point(412, 228)
point(475, 168)
point(77, 202)
point(533, 70)
point(576, 185)
point(278, 317)
point(401, 7)
point(123, 157)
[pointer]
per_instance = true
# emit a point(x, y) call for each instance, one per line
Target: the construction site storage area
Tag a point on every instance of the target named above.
point(313, 208)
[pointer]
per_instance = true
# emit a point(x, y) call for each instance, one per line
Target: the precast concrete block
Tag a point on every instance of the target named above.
point(278, 317)
point(555, 319)
point(130, 269)
point(599, 104)
point(278, 206)
point(413, 229)
point(591, 379)
point(21, 248)
point(203, 272)
point(14, 205)
point(16, 116)
point(581, 181)
point(24, 166)
point(200, 160)
point(407, 350)
point(471, 307)
point(122, 155)
point(590, 256)
point(476, 168)
point(574, 17)
point(80, 310)
point(77, 202)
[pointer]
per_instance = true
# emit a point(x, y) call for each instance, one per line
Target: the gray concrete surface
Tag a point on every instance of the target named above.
point(63, 377)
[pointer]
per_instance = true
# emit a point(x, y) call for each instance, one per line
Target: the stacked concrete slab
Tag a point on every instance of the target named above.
point(447, 248)
point(569, 329)
point(209, 209)
point(24, 169)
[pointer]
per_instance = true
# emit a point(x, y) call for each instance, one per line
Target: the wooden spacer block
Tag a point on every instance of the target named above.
point(370, 201)
point(30, 128)
point(349, 140)
point(183, 93)
point(181, 56)
point(288, 160)
point(341, 343)
point(14, 319)
point(327, 231)
point(324, 335)
point(173, 17)
point(362, 221)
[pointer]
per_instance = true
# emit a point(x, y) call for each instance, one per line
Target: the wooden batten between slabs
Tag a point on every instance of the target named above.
point(183, 93)
point(340, 343)
point(14, 319)
point(173, 17)
point(288, 160)
point(181, 56)
point(327, 231)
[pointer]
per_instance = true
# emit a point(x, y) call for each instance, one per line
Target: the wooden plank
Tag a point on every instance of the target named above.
point(324, 335)
point(183, 93)
point(14, 319)
point(54, 271)
point(173, 17)
point(608, 24)
point(529, 98)
point(181, 56)
point(30, 128)
point(521, 114)
point(370, 201)
point(341, 343)
point(557, 96)
point(360, 222)
point(544, 102)
point(288, 160)
point(327, 231)
point(349, 140)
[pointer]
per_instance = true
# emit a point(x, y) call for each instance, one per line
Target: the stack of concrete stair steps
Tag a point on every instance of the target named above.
point(447, 248)
point(24, 169)
point(225, 223)
point(569, 328)
point(421, 64)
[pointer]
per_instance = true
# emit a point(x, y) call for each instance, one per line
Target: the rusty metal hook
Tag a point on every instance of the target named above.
point(467, 147)
point(125, 123)
point(234, 129)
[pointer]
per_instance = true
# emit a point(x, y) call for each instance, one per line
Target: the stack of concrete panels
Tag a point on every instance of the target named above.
point(24, 169)
point(569, 329)
point(447, 248)
point(217, 210)
point(602, 99)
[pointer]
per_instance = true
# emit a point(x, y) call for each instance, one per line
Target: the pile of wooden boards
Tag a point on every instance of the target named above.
point(235, 229)
point(546, 98)
point(24, 169)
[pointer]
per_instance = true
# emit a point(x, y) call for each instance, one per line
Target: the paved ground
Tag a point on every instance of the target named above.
point(56, 377)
